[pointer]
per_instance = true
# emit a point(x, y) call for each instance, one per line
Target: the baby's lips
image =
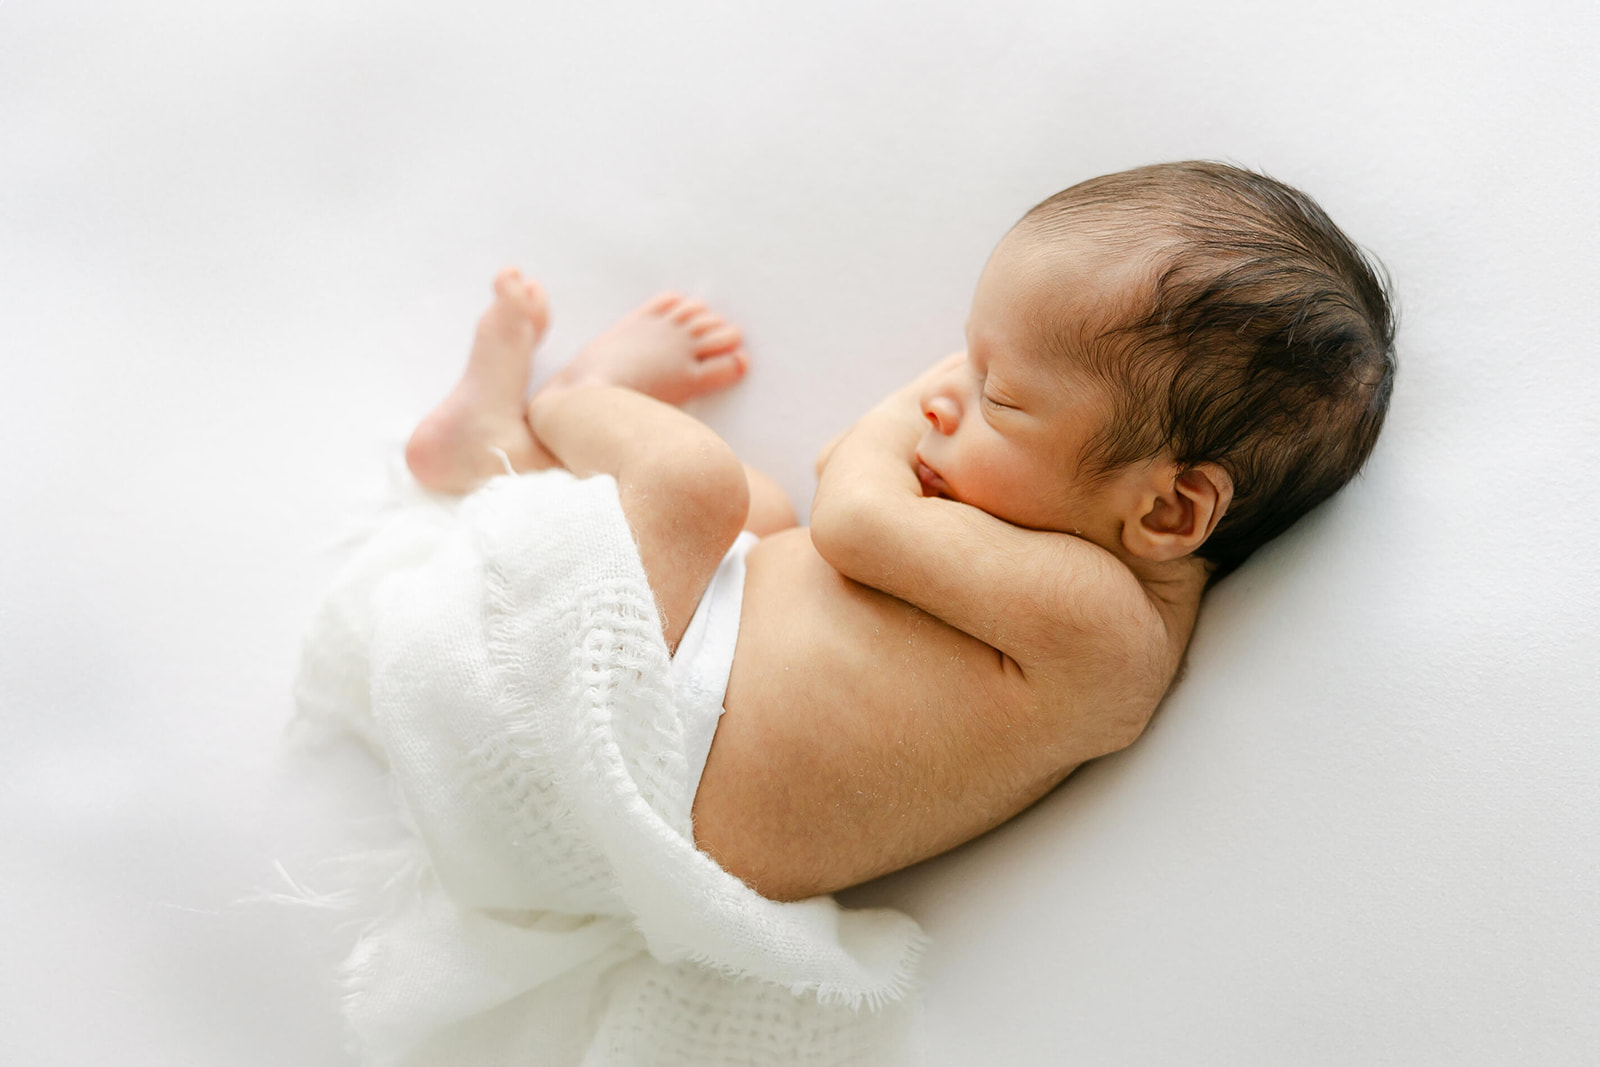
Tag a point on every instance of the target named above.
point(932, 484)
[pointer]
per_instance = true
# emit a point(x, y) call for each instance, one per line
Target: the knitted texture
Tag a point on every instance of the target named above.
point(505, 659)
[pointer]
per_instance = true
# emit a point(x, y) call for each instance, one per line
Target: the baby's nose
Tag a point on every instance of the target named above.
point(942, 412)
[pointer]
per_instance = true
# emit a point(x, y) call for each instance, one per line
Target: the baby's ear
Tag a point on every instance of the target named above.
point(1177, 511)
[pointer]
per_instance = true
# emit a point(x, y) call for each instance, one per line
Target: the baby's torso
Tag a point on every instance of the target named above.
point(855, 720)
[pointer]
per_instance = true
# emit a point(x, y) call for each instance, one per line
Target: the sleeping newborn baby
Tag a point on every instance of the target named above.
point(641, 723)
point(1164, 369)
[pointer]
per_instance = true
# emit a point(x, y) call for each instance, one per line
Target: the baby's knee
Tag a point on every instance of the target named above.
point(686, 505)
point(704, 488)
point(717, 493)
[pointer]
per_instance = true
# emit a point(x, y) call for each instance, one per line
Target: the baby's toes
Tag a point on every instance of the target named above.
point(720, 337)
point(535, 305)
point(687, 310)
point(507, 281)
point(663, 302)
point(704, 323)
point(523, 294)
point(720, 371)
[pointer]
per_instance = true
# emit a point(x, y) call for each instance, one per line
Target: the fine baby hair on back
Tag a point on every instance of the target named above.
point(1265, 345)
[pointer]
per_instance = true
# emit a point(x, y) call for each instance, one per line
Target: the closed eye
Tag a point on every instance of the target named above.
point(992, 402)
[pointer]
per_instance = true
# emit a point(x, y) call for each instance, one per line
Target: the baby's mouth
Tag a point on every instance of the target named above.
point(932, 484)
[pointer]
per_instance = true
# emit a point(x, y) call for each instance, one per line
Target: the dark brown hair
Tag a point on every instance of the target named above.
point(1266, 345)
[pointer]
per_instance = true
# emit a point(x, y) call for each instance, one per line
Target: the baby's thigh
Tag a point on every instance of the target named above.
point(685, 507)
point(770, 510)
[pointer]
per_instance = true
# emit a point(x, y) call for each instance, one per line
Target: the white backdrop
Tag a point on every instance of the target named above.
point(242, 247)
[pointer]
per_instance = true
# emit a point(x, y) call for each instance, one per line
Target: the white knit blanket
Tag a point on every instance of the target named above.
point(505, 658)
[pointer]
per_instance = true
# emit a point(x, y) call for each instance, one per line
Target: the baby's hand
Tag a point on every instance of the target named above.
point(903, 405)
point(908, 398)
point(827, 451)
point(900, 418)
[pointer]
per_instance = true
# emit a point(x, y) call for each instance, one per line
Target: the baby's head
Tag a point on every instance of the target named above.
point(1198, 347)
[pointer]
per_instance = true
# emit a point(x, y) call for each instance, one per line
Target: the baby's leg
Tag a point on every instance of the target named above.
point(684, 492)
point(458, 446)
point(770, 510)
point(674, 349)
point(681, 487)
point(669, 348)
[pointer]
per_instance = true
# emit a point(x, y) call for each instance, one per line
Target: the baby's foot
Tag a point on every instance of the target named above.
point(453, 449)
point(670, 348)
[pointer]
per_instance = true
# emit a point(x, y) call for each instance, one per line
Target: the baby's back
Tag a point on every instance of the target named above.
point(863, 734)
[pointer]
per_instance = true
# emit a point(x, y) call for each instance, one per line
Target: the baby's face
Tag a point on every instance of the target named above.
point(1007, 427)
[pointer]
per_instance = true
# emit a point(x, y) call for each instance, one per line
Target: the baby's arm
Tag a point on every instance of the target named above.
point(1030, 594)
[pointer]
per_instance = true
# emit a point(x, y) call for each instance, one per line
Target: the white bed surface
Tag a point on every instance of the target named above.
point(242, 247)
